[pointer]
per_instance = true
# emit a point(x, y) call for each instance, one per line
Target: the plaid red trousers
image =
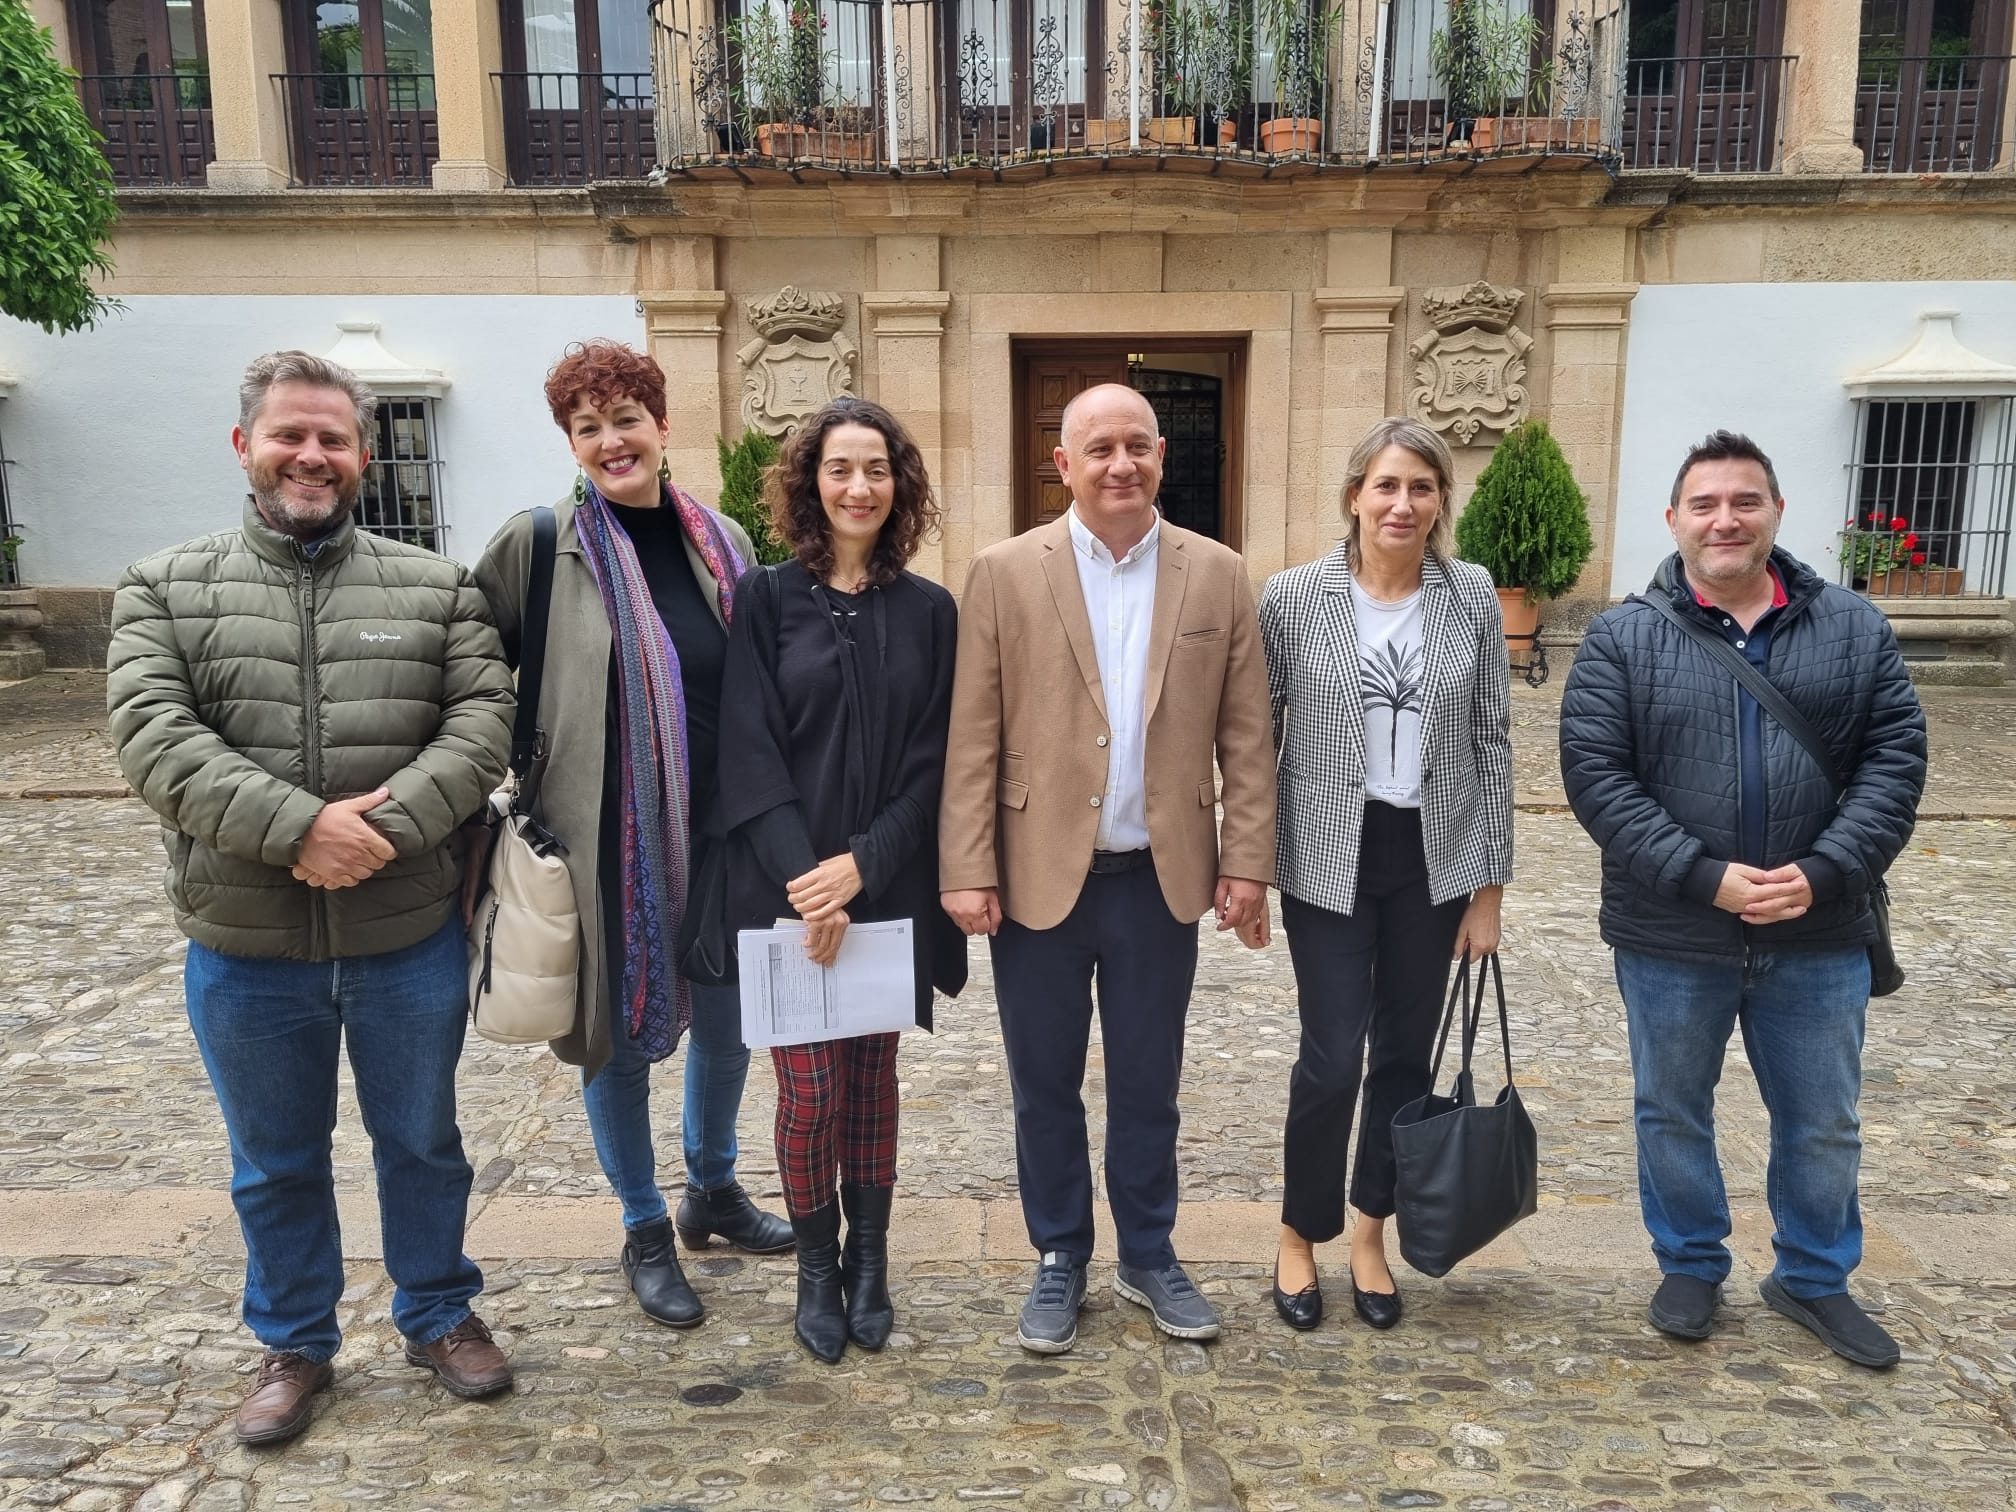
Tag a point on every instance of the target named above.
point(836, 1117)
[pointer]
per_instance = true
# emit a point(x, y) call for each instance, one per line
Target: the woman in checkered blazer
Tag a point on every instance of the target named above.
point(1387, 672)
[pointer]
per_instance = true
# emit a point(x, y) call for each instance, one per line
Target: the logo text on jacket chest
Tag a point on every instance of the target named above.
point(378, 637)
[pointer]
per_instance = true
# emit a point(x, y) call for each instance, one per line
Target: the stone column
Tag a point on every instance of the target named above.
point(685, 335)
point(1585, 387)
point(1357, 333)
point(1826, 37)
point(909, 333)
point(468, 49)
point(247, 47)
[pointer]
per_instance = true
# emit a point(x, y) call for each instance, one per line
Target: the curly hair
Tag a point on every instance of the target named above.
point(604, 373)
point(791, 492)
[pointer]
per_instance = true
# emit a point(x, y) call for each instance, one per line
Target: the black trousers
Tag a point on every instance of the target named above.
point(1121, 933)
point(1373, 977)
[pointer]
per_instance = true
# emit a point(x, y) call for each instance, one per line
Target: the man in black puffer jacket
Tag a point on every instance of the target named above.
point(1736, 890)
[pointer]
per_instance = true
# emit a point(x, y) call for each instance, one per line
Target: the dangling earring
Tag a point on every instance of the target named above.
point(664, 468)
point(580, 486)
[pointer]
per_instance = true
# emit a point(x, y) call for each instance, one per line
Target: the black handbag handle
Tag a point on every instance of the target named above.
point(1473, 1017)
point(1774, 703)
point(525, 741)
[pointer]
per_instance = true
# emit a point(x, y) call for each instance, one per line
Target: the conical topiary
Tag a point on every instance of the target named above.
point(742, 469)
point(1527, 523)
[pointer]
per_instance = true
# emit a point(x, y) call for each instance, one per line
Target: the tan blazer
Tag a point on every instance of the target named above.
point(1027, 757)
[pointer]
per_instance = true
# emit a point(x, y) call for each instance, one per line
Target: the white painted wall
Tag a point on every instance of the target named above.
point(121, 437)
point(1769, 360)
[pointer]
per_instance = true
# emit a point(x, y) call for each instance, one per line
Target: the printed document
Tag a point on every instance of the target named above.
point(871, 987)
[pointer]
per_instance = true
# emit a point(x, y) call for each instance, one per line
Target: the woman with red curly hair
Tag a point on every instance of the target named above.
point(842, 664)
point(643, 593)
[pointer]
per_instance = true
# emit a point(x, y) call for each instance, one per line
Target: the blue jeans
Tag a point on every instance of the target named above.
point(619, 1107)
point(1802, 1018)
point(269, 1032)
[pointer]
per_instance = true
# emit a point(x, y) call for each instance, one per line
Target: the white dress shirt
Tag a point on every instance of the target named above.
point(1120, 603)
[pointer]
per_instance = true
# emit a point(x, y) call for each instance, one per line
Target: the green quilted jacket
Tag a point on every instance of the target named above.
point(248, 683)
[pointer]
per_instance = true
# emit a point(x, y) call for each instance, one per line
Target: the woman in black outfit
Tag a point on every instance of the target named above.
point(831, 756)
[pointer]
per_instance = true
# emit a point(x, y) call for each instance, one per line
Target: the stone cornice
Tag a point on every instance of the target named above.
point(1590, 306)
point(1660, 190)
point(1359, 309)
point(918, 312)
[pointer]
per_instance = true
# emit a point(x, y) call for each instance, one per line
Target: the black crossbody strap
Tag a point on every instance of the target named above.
point(1774, 703)
point(532, 643)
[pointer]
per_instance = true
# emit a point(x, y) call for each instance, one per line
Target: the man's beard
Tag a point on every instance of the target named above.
point(301, 522)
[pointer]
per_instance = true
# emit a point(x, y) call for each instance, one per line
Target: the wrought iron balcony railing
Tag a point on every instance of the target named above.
point(1706, 115)
point(1933, 115)
point(156, 126)
point(950, 85)
point(576, 128)
point(358, 130)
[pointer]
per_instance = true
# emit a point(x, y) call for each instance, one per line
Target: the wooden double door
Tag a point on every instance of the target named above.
point(1195, 387)
point(1704, 87)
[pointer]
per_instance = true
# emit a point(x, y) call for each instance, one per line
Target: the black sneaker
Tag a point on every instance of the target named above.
point(1684, 1306)
point(1838, 1321)
point(1050, 1312)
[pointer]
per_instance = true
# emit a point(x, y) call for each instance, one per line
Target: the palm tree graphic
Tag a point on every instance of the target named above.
point(1390, 679)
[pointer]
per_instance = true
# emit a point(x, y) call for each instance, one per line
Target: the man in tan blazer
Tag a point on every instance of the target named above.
point(1104, 660)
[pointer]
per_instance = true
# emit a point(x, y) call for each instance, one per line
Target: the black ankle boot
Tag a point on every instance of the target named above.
point(864, 1264)
point(822, 1315)
point(727, 1211)
point(653, 1269)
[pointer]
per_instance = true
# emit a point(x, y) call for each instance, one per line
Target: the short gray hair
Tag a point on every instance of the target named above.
point(1413, 436)
point(303, 367)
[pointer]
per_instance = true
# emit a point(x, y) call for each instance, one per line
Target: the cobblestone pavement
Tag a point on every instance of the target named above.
point(1527, 1380)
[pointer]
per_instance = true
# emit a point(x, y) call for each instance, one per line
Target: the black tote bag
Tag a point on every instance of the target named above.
point(1465, 1172)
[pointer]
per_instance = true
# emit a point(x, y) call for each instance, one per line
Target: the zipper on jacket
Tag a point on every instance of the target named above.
point(311, 742)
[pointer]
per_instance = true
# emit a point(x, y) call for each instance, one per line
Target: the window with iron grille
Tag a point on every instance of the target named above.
point(402, 486)
point(1930, 497)
point(10, 571)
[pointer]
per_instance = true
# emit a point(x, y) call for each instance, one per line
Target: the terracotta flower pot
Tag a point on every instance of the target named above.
point(1291, 134)
point(1531, 133)
point(1156, 131)
point(781, 140)
point(1522, 622)
point(1918, 582)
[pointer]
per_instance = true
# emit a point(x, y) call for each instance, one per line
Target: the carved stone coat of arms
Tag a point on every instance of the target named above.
point(1470, 373)
point(799, 360)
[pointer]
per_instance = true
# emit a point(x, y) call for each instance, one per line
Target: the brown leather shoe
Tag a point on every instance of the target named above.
point(469, 1364)
point(277, 1408)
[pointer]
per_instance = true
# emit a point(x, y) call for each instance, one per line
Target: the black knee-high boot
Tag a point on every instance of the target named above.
point(864, 1264)
point(821, 1324)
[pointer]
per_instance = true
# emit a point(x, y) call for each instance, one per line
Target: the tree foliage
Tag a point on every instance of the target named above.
point(742, 469)
point(56, 201)
point(1527, 523)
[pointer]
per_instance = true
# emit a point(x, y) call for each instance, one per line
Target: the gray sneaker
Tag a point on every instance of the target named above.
point(1178, 1307)
point(1050, 1312)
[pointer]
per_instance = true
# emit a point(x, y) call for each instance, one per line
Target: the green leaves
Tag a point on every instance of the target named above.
point(56, 201)
point(1527, 523)
point(742, 468)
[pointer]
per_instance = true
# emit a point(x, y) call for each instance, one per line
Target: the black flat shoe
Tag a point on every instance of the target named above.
point(1301, 1310)
point(1379, 1309)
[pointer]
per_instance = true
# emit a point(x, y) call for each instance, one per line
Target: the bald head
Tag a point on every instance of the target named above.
point(1107, 400)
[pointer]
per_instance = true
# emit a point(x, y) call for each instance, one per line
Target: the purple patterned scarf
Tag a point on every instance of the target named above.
point(657, 782)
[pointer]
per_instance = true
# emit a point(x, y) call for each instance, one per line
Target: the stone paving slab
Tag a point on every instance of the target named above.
point(1526, 1380)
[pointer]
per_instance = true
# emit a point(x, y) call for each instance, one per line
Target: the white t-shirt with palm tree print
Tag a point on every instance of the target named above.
point(1389, 685)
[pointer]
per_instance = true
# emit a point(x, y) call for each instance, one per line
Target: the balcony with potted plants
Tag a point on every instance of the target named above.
point(808, 89)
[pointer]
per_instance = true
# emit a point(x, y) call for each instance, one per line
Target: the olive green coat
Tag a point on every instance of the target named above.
point(573, 712)
point(248, 683)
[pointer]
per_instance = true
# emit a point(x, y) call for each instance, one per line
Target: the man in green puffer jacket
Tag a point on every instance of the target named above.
point(313, 712)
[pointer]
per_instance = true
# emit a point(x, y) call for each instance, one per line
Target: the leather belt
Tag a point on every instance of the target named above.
point(1105, 863)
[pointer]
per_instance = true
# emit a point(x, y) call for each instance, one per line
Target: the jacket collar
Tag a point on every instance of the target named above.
point(285, 551)
point(1335, 574)
point(1802, 583)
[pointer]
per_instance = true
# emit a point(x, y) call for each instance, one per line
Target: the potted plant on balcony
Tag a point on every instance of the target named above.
point(780, 61)
point(1203, 53)
point(1160, 19)
point(1887, 559)
point(1298, 35)
point(1498, 83)
point(1527, 524)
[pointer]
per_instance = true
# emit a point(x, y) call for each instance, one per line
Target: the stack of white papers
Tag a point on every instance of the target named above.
point(871, 987)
